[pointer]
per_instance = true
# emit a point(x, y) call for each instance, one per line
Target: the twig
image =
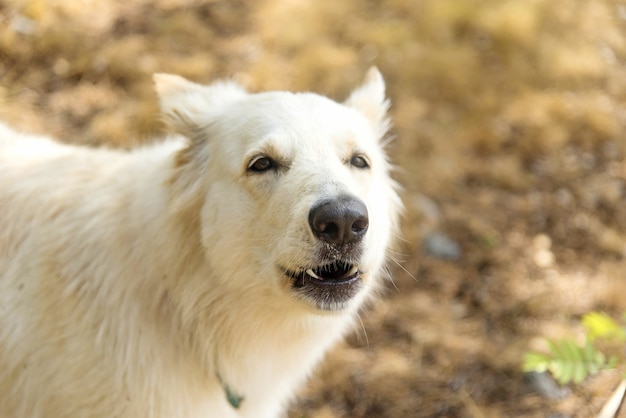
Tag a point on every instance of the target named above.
point(610, 409)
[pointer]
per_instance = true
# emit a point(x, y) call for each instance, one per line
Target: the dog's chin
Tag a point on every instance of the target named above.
point(328, 287)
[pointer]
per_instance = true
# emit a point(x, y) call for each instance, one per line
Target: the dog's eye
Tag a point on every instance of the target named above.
point(261, 164)
point(359, 161)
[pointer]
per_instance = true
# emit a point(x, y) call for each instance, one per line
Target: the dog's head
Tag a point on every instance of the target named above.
point(293, 190)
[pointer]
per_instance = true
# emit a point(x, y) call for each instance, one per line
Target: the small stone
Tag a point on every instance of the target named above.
point(543, 255)
point(23, 25)
point(542, 242)
point(546, 386)
point(543, 258)
point(441, 246)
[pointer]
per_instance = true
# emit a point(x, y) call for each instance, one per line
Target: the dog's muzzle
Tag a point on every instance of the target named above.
point(339, 226)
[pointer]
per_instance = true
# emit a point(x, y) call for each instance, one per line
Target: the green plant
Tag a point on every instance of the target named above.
point(569, 361)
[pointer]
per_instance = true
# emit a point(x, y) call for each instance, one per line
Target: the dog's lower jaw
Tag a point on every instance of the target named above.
point(331, 306)
point(326, 295)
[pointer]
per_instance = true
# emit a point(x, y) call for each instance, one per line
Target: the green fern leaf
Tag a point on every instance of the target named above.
point(593, 358)
point(580, 370)
point(567, 361)
point(536, 362)
point(557, 350)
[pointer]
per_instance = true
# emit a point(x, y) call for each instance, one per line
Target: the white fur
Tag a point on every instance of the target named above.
point(131, 280)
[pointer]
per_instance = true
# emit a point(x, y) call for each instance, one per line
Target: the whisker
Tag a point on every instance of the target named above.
point(395, 261)
point(398, 256)
point(401, 238)
point(390, 277)
point(367, 340)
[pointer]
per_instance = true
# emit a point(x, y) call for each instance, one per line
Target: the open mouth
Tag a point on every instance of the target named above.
point(330, 286)
point(337, 273)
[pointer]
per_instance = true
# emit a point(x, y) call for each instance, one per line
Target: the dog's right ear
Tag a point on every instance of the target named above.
point(187, 106)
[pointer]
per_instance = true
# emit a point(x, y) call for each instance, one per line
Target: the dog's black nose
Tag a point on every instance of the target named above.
point(339, 221)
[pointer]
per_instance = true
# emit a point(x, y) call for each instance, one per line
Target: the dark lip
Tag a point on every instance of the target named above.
point(337, 283)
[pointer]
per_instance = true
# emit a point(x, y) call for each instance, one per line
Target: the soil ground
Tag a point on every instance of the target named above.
point(508, 122)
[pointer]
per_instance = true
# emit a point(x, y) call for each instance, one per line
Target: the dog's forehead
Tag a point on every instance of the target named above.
point(301, 119)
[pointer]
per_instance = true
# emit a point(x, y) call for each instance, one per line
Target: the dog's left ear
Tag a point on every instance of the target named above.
point(369, 99)
point(187, 106)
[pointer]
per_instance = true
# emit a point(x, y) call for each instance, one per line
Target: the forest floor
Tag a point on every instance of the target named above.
point(508, 123)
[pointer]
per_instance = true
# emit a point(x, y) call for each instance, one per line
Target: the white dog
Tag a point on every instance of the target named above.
point(203, 276)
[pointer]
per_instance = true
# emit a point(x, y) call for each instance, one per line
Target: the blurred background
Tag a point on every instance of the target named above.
point(508, 123)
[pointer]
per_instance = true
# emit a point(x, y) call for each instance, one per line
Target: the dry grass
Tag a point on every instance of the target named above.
point(509, 118)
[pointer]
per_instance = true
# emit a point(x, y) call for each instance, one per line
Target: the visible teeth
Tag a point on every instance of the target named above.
point(311, 273)
point(352, 271)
